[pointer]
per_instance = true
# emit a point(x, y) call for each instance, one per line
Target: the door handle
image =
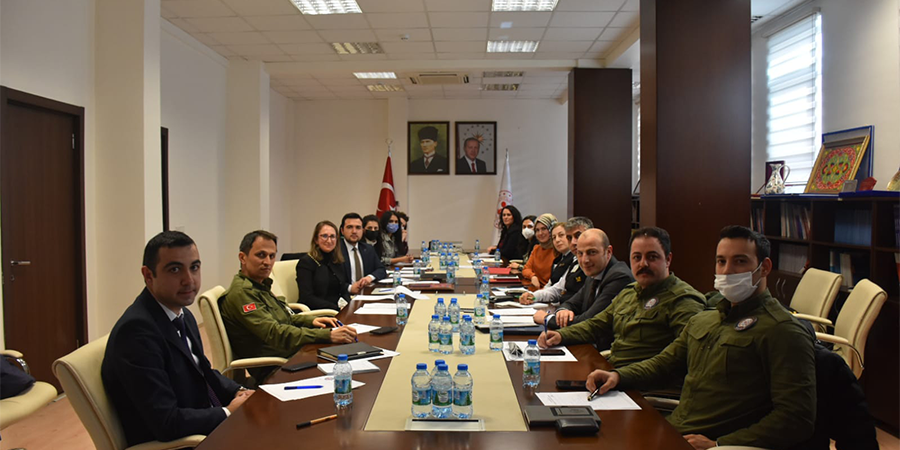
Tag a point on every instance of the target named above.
point(20, 263)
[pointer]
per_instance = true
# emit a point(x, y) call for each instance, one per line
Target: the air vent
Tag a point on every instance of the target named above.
point(426, 79)
point(502, 74)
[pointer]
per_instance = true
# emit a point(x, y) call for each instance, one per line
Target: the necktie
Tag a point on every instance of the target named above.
point(357, 263)
point(473, 166)
point(428, 162)
point(594, 286)
point(179, 325)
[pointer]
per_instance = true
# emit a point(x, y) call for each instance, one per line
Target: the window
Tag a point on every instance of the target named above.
point(794, 81)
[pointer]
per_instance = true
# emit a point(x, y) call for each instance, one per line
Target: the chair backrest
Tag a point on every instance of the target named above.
point(219, 344)
point(284, 281)
point(292, 256)
point(816, 292)
point(79, 374)
point(856, 318)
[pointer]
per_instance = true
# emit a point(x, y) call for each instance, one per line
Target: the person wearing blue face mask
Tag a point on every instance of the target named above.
point(751, 370)
point(390, 246)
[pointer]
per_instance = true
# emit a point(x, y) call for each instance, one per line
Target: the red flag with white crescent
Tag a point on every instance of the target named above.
point(386, 199)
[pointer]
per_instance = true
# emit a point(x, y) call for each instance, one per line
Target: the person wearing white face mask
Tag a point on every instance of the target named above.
point(527, 244)
point(751, 375)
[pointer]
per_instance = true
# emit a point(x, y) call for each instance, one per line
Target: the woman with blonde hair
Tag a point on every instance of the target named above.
point(321, 279)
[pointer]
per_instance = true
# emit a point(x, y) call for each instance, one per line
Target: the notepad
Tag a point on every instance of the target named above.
point(612, 400)
point(358, 366)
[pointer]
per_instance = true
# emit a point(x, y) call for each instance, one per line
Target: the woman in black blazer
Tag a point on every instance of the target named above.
point(321, 278)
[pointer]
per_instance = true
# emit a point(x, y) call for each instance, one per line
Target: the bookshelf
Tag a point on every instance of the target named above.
point(858, 237)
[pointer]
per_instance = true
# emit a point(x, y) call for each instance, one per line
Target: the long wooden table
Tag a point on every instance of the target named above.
point(264, 422)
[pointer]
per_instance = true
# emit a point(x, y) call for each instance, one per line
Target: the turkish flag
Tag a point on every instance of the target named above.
point(386, 200)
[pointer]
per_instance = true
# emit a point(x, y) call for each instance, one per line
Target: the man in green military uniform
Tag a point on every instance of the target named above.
point(258, 323)
point(751, 375)
point(648, 314)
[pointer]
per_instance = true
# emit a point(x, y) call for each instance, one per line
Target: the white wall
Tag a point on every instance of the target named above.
point(860, 76)
point(281, 173)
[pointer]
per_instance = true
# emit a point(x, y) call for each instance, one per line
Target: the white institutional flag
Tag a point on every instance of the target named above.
point(504, 198)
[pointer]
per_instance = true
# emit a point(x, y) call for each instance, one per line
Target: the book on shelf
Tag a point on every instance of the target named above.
point(794, 221)
point(792, 258)
point(756, 220)
point(852, 266)
point(897, 224)
point(853, 226)
point(897, 260)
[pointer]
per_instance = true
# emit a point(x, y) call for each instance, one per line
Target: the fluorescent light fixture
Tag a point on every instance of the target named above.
point(356, 48)
point(384, 88)
point(512, 46)
point(313, 7)
point(505, 24)
point(500, 87)
point(498, 74)
point(375, 75)
point(523, 5)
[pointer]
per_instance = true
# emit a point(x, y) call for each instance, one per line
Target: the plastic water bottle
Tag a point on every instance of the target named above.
point(480, 309)
point(443, 261)
point(477, 246)
point(424, 248)
point(417, 267)
point(397, 280)
point(434, 370)
point(402, 309)
point(453, 312)
point(456, 259)
point(531, 371)
point(434, 337)
point(497, 256)
point(426, 259)
point(421, 391)
point(485, 288)
point(496, 334)
point(462, 392)
point(343, 382)
point(467, 336)
point(446, 335)
point(451, 273)
point(440, 308)
point(442, 393)
point(476, 265)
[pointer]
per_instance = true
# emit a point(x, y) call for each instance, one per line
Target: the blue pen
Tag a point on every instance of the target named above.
point(313, 386)
point(341, 324)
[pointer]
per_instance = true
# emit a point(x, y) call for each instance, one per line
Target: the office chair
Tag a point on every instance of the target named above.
point(854, 322)
point(284, 285)
point(815, 295)
point(27, 402)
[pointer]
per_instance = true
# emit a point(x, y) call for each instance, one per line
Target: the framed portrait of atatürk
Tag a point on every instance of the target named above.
point(476, 148)
point(429, 148)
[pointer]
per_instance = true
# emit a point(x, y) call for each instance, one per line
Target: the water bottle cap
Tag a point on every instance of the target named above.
point(467, 318)
point(421, 366)
point(447, 318)
point(440, 299)
point(463, 367)
point(497, 316)
point(342, 357)
point(402, 295)
point(396, 269)
point(434, 316)
point(442, 367)
point(438, 362)
point(532, 342)
point(453, 300)
point(480, 296)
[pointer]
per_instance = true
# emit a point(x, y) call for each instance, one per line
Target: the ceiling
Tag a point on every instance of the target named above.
point(416, 36)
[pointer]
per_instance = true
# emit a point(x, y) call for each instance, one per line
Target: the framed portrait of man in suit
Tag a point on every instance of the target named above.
point(429, 148)
point(476, 148)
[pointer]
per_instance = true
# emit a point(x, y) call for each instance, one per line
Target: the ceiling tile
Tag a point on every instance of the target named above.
point(220, 24)
point(348, 89)
point(377, 57)
point(310, 89)
point(613, 34)
point(222, 50)
point(564, 46)
point(516, 34)
point(460, 55)
point(394, 34)
point(256, 50)
point(307, 49)
point(262, 7)
point(411, 56)
point(398, 20)
point(197, 8)
point(206, 39)
point(276, 58)
point(581, 19)
point(337, 82)
point(521, 19)
point(316, 58)
point(590, 55)
point(544, 79)
point(302, 82)
point(407, 47)
point(626, 20)
point(320, 96)
point(245, 38)
point(572, 34)
point(422, 88)
point(292, 37)
point(184, 25)
point(460, 47)
point(501, 80)
point(558, 55)
point(278, 23)
point(458, 19)
point(546, 88)
point(510, 56)
point(338, 21)
point(589, 5)
point(601, 46)
point(458, 5)
point(166, 14)
point(348, 35)
point(535, 95)
point(498, 94)
point(545, 74)
point(632, 5)
point(378, 6)
point(460, 34)
point(462, 87)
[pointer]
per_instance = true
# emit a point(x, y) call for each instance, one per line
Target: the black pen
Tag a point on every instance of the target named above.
point(593, 394)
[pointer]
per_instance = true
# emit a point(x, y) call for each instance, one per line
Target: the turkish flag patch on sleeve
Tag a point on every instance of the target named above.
point(249, 307)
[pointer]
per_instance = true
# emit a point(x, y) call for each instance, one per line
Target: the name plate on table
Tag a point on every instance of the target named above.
point(464, 425)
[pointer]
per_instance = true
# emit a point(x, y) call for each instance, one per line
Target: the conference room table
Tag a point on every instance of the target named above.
point(264, 422)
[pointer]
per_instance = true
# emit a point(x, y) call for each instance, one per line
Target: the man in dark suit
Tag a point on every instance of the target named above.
point(154, 370)
point(430, 162)
point(470, 163)
point(361, 263)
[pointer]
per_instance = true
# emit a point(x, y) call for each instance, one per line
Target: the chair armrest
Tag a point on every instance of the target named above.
point(185, 442)
point(320, 313)
point(666, 404)
point(606, 353)
point(298, 307)
point(814, 319)
point(9, 353)
point(263, 361)
point(833, 339)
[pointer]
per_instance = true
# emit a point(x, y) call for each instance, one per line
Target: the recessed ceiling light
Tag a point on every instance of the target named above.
point(505, 24)
point(497, 74)
point(523, 5)
point(375, 75)
point(313, 7)
point(384, 87)
point(356, 48)
point(512, 46)
point(501, 87)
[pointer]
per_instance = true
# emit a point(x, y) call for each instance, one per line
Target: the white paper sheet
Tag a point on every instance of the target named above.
point(390, 309)
point(358, 366)
point(517, 320)
point(568, 357)
point(612, 400)
point(385, 353)
point(524, 311)
point(519, 305)
point(365, 298)
point(327, 382)
point(417, 295)
point(360, 328)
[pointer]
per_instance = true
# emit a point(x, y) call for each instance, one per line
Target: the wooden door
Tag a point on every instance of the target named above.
point(42, 210)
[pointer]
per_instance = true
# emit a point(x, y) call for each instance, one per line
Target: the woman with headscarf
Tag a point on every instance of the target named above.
point(390, 246)
point(540, 264)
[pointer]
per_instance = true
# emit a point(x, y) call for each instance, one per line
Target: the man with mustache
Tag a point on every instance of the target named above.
point(259, 324)
point(646, 315)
